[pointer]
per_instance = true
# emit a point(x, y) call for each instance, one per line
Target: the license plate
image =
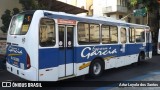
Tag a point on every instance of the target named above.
point(15, 63)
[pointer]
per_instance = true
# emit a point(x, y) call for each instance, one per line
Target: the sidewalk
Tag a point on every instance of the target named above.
point(152, 76)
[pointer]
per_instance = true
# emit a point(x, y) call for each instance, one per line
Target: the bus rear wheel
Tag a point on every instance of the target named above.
point(96, 68)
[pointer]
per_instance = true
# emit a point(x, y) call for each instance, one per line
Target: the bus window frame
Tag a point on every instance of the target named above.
point(89, 43)
point(122, 27)
point(144, 35)
point(131, 28)
point(22, 23)
point(109, 33)
point(53, 33)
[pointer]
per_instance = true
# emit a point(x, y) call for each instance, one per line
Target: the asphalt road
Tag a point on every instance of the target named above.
point(118, 74)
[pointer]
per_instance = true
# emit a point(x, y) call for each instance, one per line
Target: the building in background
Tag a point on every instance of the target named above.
point(116, 9)
point(54, 5)
point(109, 8)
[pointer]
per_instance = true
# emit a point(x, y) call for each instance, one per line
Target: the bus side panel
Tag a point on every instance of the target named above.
point(111, 54)
point(32, 41)
point(48, 64)
point(132, 51)
point(85, 54)
point(130, 55)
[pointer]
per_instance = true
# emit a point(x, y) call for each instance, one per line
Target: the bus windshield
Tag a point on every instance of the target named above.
point(20, 24)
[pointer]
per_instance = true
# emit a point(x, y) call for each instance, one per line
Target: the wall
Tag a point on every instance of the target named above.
point(98, 5)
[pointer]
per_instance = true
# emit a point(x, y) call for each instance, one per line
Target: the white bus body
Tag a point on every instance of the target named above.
point(51, 46)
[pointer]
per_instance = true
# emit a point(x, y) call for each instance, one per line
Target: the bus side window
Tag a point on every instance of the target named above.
point(123, 35)
point(114, 34)
point(47, 32)
point(131, 35)
point(94, 33)
point(105, 34)
point(140, 35)
point(83, 33)
point(109, 34)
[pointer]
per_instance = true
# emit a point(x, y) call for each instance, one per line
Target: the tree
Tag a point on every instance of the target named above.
point(6, 18)
point(35, 4)
point(15, 11)
point(151, 5)
point(29, 4)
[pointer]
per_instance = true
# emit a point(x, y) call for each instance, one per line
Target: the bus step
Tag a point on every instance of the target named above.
point(66, 77)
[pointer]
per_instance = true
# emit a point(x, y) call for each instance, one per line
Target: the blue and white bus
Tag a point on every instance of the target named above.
point(50, 46)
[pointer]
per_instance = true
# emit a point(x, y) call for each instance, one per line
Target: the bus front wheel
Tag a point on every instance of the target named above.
point(96, 68)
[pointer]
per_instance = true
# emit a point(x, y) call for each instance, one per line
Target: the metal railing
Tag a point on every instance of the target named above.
point(119, 8)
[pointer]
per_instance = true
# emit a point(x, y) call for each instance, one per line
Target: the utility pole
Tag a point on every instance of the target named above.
point(126, 16)
point(147, 18)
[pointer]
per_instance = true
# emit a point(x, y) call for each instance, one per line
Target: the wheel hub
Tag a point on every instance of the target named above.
point(97, 68)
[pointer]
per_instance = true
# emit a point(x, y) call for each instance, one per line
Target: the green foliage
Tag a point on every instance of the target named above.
point(29, 4)
point(15, 11)
point(26, 5)
point(33, 4)
point(150, 5)
point(6, 18)
point(133, 2)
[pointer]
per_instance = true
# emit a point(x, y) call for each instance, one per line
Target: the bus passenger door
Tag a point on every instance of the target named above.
point(66, 66)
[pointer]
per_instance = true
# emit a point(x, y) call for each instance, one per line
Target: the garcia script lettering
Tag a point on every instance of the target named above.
point(94, 51)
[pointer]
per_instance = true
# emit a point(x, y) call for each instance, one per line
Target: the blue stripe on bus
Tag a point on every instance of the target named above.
point(51, 57)
point(48, 58)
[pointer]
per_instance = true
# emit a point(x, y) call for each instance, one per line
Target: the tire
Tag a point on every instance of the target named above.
point(96, 68)
point(140, 58)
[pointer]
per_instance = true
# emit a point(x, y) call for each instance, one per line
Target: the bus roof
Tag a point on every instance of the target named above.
point(94, 19)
